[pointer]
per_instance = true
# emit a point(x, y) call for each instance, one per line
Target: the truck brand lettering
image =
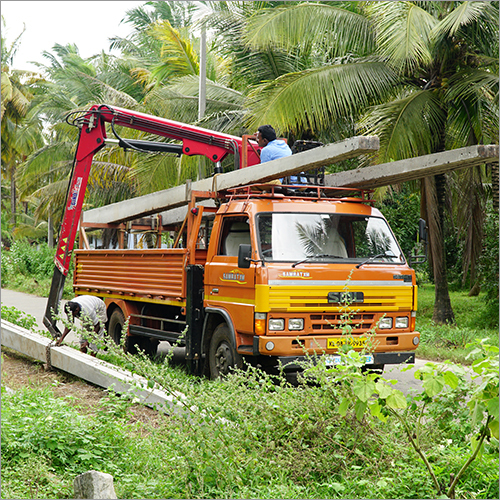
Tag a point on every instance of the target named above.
point(405, 277)
point(345, 297)
point(295, 274)
point(74, 193)
point(234, 276)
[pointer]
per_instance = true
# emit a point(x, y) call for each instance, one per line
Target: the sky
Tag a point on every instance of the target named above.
point(88, 24)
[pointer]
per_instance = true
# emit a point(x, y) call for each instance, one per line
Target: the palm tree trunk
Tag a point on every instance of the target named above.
point(13, 206)
point(443, 312)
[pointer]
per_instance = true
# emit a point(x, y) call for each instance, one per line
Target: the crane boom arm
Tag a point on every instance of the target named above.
point(195, 141)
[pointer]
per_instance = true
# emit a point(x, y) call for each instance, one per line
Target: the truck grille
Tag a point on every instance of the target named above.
point(360, 323)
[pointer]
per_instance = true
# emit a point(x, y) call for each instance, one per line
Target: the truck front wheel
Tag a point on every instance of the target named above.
point(222, 355)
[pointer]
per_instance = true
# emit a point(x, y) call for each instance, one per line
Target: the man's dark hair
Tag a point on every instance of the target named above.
point(267, 132)
point(73, 307)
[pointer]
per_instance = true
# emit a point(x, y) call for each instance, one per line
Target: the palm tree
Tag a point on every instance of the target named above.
point(20, 129)
point(74, 84)
point(432, 68)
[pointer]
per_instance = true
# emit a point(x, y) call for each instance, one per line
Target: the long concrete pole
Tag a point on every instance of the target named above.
point(91, 369)
point(181, 195)
point(413, 168)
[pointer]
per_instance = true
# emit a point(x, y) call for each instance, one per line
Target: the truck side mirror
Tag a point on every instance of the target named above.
point(422, 230)
point(244, 256)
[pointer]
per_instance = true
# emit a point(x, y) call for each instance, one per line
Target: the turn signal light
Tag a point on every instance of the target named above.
point(260, 323)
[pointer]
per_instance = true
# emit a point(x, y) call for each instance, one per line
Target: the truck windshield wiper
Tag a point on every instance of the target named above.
point(320, 256)
point(371, 259)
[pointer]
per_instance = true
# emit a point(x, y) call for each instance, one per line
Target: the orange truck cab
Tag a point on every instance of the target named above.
point(273, 275)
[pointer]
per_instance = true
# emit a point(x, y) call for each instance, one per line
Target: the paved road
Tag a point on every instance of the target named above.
point(36, 306)
point(30, 304)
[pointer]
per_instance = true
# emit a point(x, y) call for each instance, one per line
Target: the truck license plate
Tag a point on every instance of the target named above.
point(335, 342)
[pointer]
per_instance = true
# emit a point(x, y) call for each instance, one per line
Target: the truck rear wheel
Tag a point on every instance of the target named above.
point(115, 329)
point(222, 355)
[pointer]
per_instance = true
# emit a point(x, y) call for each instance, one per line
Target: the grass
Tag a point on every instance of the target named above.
point(475, 319)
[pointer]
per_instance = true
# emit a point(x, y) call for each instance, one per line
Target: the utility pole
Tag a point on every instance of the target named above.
point(202, 93)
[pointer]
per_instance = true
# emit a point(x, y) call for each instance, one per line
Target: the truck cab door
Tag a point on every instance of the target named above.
point(229, 287)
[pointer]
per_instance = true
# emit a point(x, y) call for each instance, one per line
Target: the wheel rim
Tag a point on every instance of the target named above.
point(223, 358)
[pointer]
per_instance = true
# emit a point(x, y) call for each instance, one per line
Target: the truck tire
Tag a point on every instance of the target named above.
point(115, 330)
point(149, 346)
point(222, 355)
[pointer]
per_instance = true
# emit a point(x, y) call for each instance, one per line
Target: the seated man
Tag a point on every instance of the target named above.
point(273, 148)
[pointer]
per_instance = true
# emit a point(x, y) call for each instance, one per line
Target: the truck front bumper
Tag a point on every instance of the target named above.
point(295, 363)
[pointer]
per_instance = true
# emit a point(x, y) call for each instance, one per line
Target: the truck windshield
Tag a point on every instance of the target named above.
point(318, 237)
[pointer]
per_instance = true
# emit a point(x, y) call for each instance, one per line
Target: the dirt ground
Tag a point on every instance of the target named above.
point(20, 371)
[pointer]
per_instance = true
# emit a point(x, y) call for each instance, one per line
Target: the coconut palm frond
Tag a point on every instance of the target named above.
point(403, 33)
point(464, 14)
point(306, 23)
point(340, 90)
point(155, 172)
point(407, 127)
point(224, 120)
point(178, 56)
point(473, 83)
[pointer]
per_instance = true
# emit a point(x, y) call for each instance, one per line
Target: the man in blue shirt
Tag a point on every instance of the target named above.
point(273, 148)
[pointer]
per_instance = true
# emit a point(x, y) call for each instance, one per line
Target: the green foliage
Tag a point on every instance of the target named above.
point(23, 258)
point(370, 396)
point(473, 321)
point(29, 268)
point(488, 261)
point(19, 318)
point(249, 436)
point(402, 210)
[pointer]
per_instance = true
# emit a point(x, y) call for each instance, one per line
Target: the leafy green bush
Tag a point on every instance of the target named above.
point(19, 318)
point(425, 417)
point(23, 258)
point(29, 268)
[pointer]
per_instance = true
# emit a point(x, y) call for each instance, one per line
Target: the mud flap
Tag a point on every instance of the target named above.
point(194, 317)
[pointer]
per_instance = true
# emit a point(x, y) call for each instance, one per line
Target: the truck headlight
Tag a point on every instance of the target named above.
point(385, 323)
point(296, 324)
point(276, 324)
point(402, 322)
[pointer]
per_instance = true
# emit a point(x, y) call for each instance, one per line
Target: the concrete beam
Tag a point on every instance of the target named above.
point(181, 195)
point(413, 168)
point(91, 369)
